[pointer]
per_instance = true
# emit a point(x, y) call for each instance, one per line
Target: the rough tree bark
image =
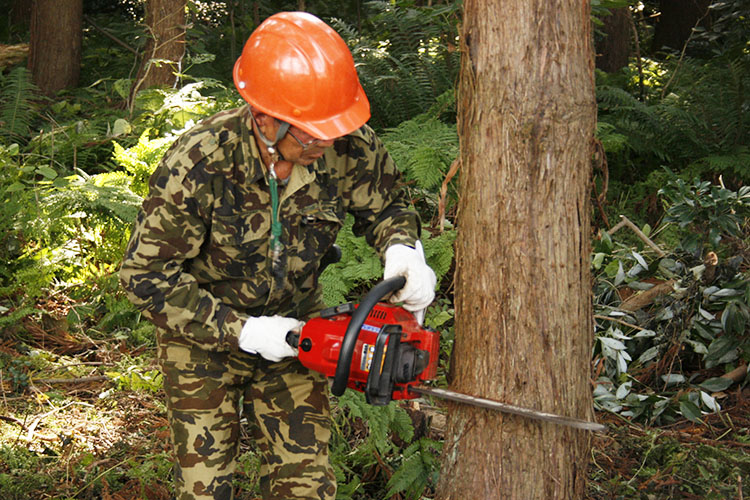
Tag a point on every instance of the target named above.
point(55, 46)
point(523, 291)
point(165, 48)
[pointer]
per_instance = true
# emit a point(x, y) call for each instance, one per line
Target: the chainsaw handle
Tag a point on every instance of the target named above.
point(341, 379)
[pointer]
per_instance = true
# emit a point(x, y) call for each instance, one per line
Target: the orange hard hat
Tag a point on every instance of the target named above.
point(296, 68)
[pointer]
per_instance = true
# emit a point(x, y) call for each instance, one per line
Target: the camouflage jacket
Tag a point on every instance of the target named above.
point(198, 262)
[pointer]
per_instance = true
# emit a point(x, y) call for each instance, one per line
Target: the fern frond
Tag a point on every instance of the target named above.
point(141, 159)
point(736, 163)
point(418, 469)
point(410, 475)
point(424, 149)
point(103, 196)
point(381, 422)
point(439, 252)
point(17, 111)
point(359, 265)
point(407, 61)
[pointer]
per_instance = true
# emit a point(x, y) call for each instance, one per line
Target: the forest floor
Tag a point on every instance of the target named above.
point(85, 419)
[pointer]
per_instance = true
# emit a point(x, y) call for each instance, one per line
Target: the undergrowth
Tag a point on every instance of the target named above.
point(82, 404)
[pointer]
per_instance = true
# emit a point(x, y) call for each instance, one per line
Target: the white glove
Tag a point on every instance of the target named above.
point(266, 336)
point(419, 289)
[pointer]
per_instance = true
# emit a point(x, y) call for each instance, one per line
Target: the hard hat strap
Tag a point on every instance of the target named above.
point(280, 133)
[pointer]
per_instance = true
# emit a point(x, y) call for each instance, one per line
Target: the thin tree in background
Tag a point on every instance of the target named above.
point(55, 46)
point(676, 21)
point(614, 47)
point(165, 48)
point(524, 327)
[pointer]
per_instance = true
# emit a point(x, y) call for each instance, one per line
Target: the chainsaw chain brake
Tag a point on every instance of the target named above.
point(393, 363)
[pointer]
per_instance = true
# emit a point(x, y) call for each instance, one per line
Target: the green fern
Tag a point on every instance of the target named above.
point(693, 118)
point(623, 114)
point(406, 59)
point(736, 163)
point(359, 265)
point(15, 316)
point(424, 148)
point(141, 159)
point(439, 252)
point(102, 197)
point(418, 470)
point(415, 467)
point(381, 423)
point(79, 226)
point(17, 108)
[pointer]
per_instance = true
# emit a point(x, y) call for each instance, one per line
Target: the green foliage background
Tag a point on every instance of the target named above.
point(74, 170)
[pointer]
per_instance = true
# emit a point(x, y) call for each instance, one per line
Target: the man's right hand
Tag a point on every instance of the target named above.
point(266, 336)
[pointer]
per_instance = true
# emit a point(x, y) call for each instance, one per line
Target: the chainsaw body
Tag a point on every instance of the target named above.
point(375, 348)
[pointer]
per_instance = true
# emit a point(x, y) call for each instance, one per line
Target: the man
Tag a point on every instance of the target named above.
point(225, 255)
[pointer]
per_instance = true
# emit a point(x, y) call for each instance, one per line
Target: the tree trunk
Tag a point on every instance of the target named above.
point(20, 15)
point(613, 50)
point(523, 290)
point(165, 48)
point(676, 21)
point(55, 47)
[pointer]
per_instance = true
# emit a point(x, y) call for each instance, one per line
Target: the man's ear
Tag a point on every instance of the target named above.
point(263, 119)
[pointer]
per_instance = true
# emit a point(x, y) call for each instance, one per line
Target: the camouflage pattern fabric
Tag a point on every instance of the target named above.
point(286, 406)
point(198, 265)
point(198, 262)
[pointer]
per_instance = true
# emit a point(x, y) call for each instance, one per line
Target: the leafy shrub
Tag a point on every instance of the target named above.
point(361, 267)
point(711, 211)
point(141, 160)
point(135, 378)
point(645, 357)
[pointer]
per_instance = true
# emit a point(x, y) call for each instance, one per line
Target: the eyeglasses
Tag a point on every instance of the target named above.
point(305, 145)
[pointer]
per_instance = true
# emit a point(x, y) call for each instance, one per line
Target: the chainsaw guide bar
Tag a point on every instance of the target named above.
point(491, 404)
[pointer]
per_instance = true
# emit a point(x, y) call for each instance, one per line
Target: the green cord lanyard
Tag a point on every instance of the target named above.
point(275, 223)
point(273, 184)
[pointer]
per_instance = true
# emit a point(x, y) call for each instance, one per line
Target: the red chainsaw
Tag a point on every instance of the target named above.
point(380, 349)
point(376, 348)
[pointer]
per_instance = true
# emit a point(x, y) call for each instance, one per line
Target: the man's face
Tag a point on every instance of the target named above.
point(300, 147)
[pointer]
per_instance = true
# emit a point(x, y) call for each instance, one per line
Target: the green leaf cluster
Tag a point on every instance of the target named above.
point(685, 112)
point(141, 159)
point(712, 211)
point(19, 473)
point(651, 360)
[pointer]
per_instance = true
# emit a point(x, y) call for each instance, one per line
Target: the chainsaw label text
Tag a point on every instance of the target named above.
point(368, 351)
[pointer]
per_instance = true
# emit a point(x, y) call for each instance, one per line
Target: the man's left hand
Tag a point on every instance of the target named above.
point(419, 290)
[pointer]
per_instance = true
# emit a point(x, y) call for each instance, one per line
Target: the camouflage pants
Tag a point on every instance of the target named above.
point(288, 411)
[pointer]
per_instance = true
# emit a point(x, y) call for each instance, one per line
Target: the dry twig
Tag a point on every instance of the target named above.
point(627, 222)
